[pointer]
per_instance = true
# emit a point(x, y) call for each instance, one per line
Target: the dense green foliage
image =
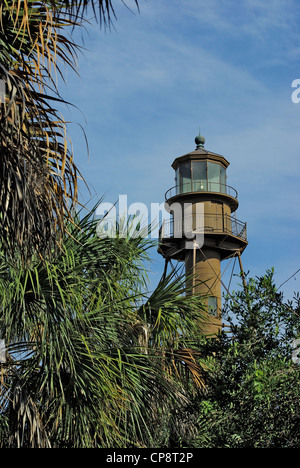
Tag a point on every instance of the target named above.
point(93, 358)
point(252, 398)
point(95, 362)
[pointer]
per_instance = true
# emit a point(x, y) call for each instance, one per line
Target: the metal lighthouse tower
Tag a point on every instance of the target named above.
point(203, 229)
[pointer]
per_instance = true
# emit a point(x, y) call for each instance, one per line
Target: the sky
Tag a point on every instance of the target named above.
point(227, 66)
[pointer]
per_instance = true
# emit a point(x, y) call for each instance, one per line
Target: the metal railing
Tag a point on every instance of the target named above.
point(218, 223)
point(198, 187)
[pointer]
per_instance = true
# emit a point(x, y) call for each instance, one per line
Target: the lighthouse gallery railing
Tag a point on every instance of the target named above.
point(198, 186)
point(218, 223)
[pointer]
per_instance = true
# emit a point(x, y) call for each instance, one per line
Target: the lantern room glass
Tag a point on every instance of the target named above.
point(223, 180)
point(185, 178)
point(177, 181)
point(213, 176)
point(200, 176)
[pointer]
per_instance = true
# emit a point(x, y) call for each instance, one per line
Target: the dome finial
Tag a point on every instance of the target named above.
point(199, 140)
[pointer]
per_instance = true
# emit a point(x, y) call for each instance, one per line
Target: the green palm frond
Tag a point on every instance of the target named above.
point(173, 320)
point(74, 354)
point(102, 9)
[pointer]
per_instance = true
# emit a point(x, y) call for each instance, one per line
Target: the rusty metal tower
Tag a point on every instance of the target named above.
point(203, 229)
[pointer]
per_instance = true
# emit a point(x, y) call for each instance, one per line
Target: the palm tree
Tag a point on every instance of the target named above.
point(93, 359)
point(37, 171)
point(38, 175)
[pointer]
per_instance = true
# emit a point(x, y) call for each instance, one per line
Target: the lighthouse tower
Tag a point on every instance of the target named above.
point(203, 229)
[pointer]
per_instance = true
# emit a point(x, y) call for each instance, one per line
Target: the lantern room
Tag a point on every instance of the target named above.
point(201, 172)
point(200, 176)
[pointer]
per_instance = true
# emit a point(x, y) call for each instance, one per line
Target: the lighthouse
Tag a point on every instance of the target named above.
point(203, 229)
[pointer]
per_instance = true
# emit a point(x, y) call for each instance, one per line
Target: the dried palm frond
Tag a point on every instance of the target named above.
point(37, 171)
point(189, 359)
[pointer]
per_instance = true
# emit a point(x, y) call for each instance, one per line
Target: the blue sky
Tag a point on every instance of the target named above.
point(227, 66)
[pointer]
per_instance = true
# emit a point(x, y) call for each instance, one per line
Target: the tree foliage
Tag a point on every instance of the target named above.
point(252, 399)
point(93, 359)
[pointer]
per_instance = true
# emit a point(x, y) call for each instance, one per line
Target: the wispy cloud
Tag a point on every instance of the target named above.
point(221, 64)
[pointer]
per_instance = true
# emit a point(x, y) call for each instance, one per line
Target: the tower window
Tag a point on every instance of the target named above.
point(213, 306)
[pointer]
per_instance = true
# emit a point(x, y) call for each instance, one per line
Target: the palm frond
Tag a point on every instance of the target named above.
point(102, 9)
point(76, 371)
point(38, 175)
